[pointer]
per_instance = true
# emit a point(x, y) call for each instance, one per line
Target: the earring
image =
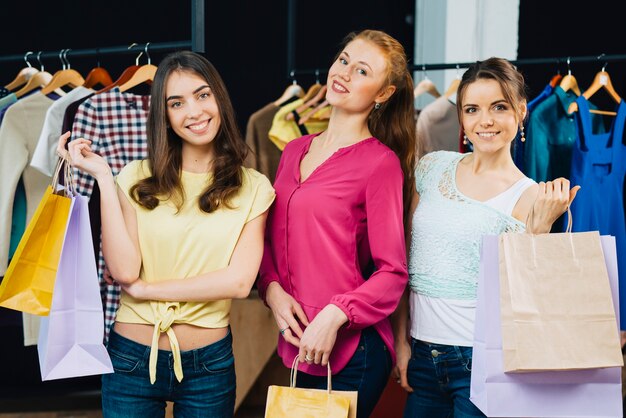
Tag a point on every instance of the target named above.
point(377, 106)
point(465, 140)
point(523, 138)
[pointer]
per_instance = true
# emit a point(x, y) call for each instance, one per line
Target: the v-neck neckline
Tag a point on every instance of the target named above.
point(338, 151)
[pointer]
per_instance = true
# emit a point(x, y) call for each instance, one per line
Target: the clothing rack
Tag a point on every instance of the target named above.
point(196, 43)
point(603, 59)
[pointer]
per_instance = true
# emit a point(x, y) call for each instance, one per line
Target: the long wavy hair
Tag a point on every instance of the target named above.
point(165, 147)
point(394, 122)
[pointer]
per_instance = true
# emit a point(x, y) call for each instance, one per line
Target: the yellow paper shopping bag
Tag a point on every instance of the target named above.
point(290, 402)
point(556, 305)
point(29, 280)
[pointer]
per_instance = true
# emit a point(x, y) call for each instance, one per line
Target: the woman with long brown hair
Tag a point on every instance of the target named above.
point(334, 263)
point(182, 233)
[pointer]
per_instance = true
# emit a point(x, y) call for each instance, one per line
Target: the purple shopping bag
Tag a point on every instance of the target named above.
point(70, 338)
point(581, 393)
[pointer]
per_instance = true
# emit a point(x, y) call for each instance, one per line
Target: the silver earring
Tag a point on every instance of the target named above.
point(377, 106)
point(465, 140)
point(523, 138)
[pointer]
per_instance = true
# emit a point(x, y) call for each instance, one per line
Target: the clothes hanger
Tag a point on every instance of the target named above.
point(454, 85)
point(38, 80)
point(292, 90)
point(23, 75)
point(144, 74)
point(316, 113)
point(569, 81)
point(64, 77)
point(426, 86)
point(314, 89)
point(98, 75)
point(126, 74)
point(601, 80)
point(308, 104)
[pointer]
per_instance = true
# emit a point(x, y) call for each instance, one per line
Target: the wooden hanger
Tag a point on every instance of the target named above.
point(64, 77)
point(426, 86)
point(97, 76)
point(308, 104)
point(601, 80)
point(569, 81)
point(454, 85)
point(38, 80)
point(23, 75)
point(292, 90)
point(319, 112)
point(144, 74)
point(314, 89)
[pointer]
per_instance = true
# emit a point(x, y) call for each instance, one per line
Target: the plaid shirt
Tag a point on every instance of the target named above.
point(115, 123)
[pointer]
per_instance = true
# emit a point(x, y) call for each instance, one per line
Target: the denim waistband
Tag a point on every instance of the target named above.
point(189, 358)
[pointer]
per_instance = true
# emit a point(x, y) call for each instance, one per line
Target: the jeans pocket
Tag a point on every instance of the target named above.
point(219, 365)
point(123, 363)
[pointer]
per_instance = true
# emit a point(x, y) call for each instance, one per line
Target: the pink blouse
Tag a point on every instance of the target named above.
point(338, 238)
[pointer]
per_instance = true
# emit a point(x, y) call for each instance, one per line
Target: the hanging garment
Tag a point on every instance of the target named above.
point(44, 158)
point(599, 166)
point(284, 131)
point(437, 127)
point(7, 101)
point(4, 92)
point(519, 147)
point(264, 156)
point(550, 137)
point(115, 123)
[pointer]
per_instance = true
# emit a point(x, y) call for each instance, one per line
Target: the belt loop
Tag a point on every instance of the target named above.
point(459, 353)
point(196, 366)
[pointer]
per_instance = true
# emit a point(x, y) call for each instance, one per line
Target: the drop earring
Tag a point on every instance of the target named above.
point(522, 137)
point(465, 140)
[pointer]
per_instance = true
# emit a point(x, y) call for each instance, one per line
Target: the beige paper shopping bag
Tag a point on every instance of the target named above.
point(556, 304)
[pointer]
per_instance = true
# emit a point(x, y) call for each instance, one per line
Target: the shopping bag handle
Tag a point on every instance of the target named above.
point(68, 176)
point(532, 212)
point(294, 373)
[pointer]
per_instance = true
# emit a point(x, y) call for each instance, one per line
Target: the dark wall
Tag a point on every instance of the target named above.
point(245, 39)
point(560, 29)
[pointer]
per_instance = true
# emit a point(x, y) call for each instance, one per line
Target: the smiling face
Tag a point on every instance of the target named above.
point(489, 121)
point(356, 80)
point(192, 110)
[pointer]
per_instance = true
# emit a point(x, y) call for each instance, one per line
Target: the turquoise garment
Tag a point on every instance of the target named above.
point(8, 100)
point(18, 221)
point(550, 137)
point(447, 231)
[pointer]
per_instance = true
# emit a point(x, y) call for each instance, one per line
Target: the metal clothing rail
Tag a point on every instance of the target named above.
point(525, 61)
point(600, 59)
point(196, 43)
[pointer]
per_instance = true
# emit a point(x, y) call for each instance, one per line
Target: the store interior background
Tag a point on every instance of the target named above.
point(246, 41)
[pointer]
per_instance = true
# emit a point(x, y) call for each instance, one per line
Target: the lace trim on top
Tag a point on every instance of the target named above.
point(447, 231)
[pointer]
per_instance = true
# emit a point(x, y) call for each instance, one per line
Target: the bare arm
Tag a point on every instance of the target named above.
point(231, 282)
point(120, 242)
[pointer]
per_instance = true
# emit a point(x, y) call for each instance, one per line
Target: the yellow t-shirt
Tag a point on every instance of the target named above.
point(284, 131)
point(187, 243)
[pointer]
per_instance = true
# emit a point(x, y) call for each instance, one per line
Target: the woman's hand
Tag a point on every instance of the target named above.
point(319, 337)
point(403, 355)
point(553, 199)
point(285, 310)
point(80, 155)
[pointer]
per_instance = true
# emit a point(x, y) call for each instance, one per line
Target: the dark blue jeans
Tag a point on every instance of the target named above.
point(207, 388)
point(367, 372)
point(440, 377)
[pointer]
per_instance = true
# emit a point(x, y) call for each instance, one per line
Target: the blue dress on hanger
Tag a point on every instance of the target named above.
point(599, 166)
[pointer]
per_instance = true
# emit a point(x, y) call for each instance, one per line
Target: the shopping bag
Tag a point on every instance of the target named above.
point(29, 280)
point(70, 338)
point(556, 304)
point(574, 393)
point(288, 402)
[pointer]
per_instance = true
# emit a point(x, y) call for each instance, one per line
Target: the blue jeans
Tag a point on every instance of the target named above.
point(367, 372)
point(207, 388)
point(440, 377)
